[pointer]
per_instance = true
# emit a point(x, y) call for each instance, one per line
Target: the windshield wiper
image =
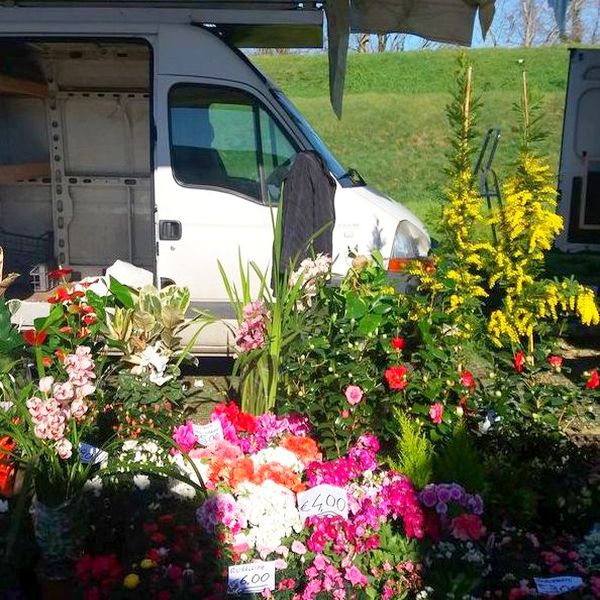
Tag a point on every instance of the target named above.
point(355, 177)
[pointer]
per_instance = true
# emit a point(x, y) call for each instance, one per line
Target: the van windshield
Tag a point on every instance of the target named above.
point(347, 177)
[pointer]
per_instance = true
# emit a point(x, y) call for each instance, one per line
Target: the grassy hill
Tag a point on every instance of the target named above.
point(394, 128)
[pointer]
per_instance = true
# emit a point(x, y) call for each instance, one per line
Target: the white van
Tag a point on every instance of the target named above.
point(143, 135)
point(579, 175)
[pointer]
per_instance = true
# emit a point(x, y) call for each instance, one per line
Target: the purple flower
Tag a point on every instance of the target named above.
point(429, 496)
point(443, 494)
point(441, 508)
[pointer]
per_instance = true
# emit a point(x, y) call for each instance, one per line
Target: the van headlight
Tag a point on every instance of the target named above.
point(409, 243)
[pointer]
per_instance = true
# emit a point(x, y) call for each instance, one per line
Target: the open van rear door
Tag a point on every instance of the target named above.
point(579, 179)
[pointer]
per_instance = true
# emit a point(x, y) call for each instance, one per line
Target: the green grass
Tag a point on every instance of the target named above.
point(394, 128)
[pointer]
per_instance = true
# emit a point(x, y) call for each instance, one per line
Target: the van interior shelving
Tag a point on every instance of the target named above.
point(75, 185)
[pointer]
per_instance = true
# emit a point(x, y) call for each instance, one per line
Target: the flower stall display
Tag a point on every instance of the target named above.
point(321, 523)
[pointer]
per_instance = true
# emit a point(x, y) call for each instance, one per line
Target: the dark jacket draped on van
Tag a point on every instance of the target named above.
point(308, 207)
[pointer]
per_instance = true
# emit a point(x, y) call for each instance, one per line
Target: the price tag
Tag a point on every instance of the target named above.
point(323, 500)
point(557, 585)
point(90, 454)
point(251, 578)
point(208, 434)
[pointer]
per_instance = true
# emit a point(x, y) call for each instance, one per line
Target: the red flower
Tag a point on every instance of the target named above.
point(63, 295)
point(47, 361)
point(436, 412)
point(88, 319)
point(467, 380)
point(7, 469)
point(467, 527)
point(519, 361)
point(396, 377)
point(555, 361)
point(593, 381)
point(398, 343)
point(175, 572)
point(60, 273)
point(33, 337)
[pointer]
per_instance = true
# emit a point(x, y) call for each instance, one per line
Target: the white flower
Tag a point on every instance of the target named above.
point(159, 380)
point(198, 383)
point(180, 488)
point(271, 513)
point(6, 406)
point(94, 485)
point(151, 356)
point(141, 482)
point(3, 506)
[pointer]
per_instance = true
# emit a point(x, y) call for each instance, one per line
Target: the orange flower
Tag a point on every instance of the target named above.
point(304, 448)
point(280, 474)
point(241, 470)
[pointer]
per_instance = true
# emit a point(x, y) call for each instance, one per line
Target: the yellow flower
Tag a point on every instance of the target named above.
point(131, 581)
point(147, 564)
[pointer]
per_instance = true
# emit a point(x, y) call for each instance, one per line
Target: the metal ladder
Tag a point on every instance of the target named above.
point(489, 186)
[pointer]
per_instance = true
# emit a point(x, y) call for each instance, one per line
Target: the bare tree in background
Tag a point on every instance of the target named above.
point(363, 42)
point(575, 15)
point(382, 42)
point(596, 22)
point(398, 41)
point(530, 23)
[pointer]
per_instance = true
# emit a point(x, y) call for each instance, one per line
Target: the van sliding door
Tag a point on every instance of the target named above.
point(221, 160)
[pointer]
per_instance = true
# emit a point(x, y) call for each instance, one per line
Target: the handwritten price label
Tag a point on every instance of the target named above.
point(90, 454)
point(557, 585)
point(208, 434)
point(251, 578)
point(323, 500)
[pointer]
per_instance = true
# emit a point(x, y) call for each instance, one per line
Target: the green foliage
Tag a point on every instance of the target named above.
point(345, 341)
point(415, 453)
point(394, 111)
point(460, 461)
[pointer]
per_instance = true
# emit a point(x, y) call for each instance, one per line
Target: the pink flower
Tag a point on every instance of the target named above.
point(78, 409)
point(436, 412)
point(353, 394)
point(64, 448)
point(298, 547)
point(280, 564)
point(354, 576)
point(45, 384)
point(320, 562)
point(345, 413)
point(185, 437)
point(63, 392)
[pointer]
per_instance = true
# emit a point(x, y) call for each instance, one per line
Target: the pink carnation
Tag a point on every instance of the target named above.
point(436, 412)
point(353, 394)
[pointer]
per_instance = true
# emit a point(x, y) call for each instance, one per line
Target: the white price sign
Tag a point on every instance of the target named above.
point(208, 434)
point(323, 500)
point(251, 578)
point(557, 585)
point(90, 454)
